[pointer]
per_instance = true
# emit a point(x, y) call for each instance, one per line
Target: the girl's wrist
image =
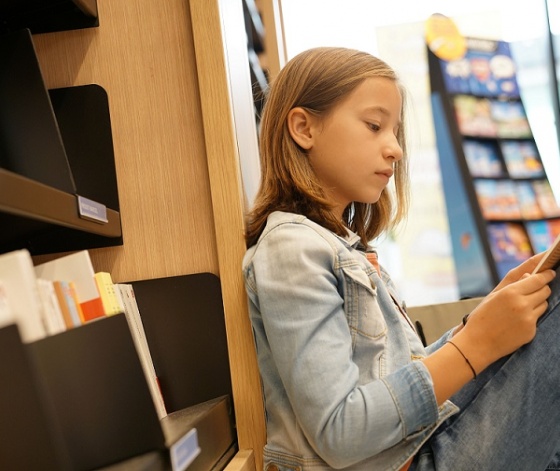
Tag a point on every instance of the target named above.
point(466, 358)
point(479, 356)
point(461, 325)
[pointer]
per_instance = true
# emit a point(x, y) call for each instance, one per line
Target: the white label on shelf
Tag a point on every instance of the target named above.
point(184, 451)
point(91, 210)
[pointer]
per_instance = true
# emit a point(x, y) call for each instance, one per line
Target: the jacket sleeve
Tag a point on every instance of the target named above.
point(439, 342)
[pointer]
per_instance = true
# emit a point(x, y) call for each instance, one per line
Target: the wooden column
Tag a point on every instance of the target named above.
point(215, 79)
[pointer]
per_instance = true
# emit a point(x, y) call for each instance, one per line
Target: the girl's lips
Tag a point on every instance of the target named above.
point(388, 173)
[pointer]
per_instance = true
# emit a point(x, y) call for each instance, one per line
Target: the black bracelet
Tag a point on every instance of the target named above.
point(466, 359)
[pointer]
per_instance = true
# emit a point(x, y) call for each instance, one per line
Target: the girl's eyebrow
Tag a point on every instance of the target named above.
point(382, 110)
point(378, 108)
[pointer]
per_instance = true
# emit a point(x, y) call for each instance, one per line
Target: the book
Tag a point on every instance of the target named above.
point(527, 199)
point(74, 303)
point(474, 116)
point(456, 75)
point(136, 326)
point(18, 278)
point(67, 303)
point(111, 303)
point(554, 228)
point(510, 119)
point(490, 117)
point(540, 234)
point(483, 159)
point(551, 258)
point(546, 199)
point(54, 321)
point(486, 69)
point(492, 69)
point(6, 315)
point(522, 159)
point(497, 199)
point(510, 245)
point(78, 269)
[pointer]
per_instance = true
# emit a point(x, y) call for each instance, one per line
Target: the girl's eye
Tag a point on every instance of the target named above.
point(374, 127)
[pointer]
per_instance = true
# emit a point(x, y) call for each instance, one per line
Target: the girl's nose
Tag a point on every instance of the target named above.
point(394, 150)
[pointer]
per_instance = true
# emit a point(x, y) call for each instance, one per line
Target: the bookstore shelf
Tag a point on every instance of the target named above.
point(501, 208)
point(51, 394)
point(149, 376)
point(21, 196)
point(58, 185)
point(33, 213)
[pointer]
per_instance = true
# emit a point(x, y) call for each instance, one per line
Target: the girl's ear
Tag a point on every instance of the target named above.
point(300, 126)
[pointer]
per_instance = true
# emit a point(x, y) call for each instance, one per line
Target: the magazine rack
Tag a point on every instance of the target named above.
point(58, 183)
point(183, 317)
point(79, 399)
point(26, 417)
point(500, 205)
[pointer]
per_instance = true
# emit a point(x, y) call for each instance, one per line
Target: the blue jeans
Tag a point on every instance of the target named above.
point(510, 416)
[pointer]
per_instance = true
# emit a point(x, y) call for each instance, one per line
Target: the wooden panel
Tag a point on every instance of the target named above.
point(142, 54)
point(244, 460)
point(225, 179)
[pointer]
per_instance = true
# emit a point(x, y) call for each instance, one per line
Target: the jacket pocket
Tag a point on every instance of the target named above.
point(361, 304)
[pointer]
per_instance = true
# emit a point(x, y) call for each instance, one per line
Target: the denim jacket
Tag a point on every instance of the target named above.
point(337, 354)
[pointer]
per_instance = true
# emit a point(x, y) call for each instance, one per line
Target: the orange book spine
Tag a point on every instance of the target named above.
point(61, 296)
point(92, 309)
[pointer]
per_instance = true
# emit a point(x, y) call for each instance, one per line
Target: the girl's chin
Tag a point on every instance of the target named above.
point(371, 199)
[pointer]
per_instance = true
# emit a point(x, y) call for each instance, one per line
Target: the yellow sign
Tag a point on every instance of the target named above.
point(444, 39)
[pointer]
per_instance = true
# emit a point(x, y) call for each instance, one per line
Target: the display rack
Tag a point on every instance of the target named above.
point(56, 159)
point(500, 205)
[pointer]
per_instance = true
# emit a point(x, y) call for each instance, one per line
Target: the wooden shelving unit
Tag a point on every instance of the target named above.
point(176, 160)
point(29, 211)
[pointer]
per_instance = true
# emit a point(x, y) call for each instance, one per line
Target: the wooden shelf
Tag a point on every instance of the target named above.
point(31, 210)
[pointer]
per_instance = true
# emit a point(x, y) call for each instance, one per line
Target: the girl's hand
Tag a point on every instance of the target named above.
point(507, 318)
point(516, 273)
point(504, 321)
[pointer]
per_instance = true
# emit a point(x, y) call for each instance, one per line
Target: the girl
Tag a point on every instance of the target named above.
point(346, 380)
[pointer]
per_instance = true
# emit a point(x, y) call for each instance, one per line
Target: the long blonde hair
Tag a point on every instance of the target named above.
point(317, 80)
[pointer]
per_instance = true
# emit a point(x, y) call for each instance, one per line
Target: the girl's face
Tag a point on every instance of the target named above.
point(353, 148)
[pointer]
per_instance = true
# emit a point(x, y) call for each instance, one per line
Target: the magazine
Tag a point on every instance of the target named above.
point(522, 159)
point(497, 199)
point(483, 159)
point(509, 244)
point(486, 69)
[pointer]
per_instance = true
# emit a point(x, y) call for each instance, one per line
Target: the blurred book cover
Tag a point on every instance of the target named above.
point(483, 158)
point(510, 245)
point(522, 159)
point(486, 69)
point(497, 199)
